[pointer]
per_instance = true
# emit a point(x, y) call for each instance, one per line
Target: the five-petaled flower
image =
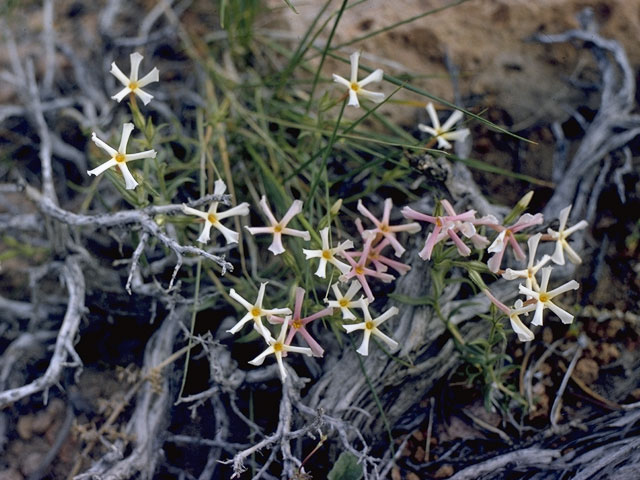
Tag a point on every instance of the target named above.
point(384, 229)
point(255, 312)
point(346, 302)
point(370, 326)
point(355, 86)
point(445, 226)
point(529, 274)
point(132, 84)
point(443, 133)
point(212, 217)
point(279, 348)
point(328, 254)
point(560, 238)
point(506, 237)
point(360, 270)
point(120, 157)
point(298, 324)
point(279, 228)
point(543, 297)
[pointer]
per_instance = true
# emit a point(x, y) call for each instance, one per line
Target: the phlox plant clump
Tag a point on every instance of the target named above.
point(355, 263)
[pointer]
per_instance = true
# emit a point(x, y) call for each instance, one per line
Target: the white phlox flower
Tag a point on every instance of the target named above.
point(278, 347)
point(346, 302)
point(132, 83)
point(279, 228)
point(443, 133)
point(561, 236)
point(255, 312)
point(328, 254)
point(120, 157)
point(212, 217)
point(355, 86)
point(543, 297)
point(370, 326)
point(529, 274)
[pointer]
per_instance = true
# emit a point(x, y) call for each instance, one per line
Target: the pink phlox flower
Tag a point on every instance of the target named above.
point(355, 86)
point(506, 237)
point(445, 226)
point(560, 237)
point(523, 333)
point(298, 325)
point(529, 274)
point(360, 270)
point(370, 326)
point(277, 229)
point(443, 133)
point(346, 302)
point(255, 312)
point(212, 217)
point(120, 157)
point(279, 348)
point(543, 297)
point(467, 228)
point(384, 229)
point(381, 262)
point(328, 255)
point(132, 83)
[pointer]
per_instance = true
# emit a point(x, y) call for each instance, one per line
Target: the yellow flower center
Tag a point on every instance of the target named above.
point(278, 347)
point(120, 158)
point(343, 302)
point(369, 325)
point(212, 218)
point(297, 324)
point(326, 254)
point(384, 228)
point(256, 312)
point(438, 222)
point(133, 85)
point(359, 270)
point(277, 228)
point(354, 86)
point(544, 297)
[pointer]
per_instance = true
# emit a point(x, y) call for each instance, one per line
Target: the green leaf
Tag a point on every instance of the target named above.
point(346, 468)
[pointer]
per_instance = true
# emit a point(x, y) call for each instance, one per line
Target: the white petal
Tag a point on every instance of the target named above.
point(375, 76)
point(135, 58)
point(121, 94)
point(129, 182)
point(102, 168)
point(116, 72)
point(110, 150)
point(341, 80)
point(152, 76)
point(452, 120)
point(276, 246)
point(433, 116)
point(376, 97)
point(144, 96)
point(566, 317)
point(205, 235)
point(354, 66)
point(524, 334)
point(127, 128)
point(229, 235)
